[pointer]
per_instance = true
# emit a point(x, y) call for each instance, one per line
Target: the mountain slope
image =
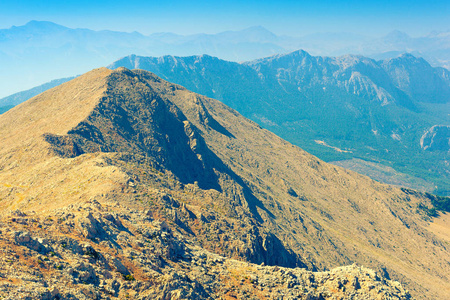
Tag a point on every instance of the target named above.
point(131, 143)
point(407, 73)
point(375, 111)
point(436, 139)
point(20, 97)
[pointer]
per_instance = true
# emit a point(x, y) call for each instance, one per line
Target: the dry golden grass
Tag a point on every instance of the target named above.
point(440, 226)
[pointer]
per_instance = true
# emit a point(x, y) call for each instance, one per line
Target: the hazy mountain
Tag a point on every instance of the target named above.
point(335, 107)
point(330, 43)
point(41, 51)
point(434, 47)
point(119, 183)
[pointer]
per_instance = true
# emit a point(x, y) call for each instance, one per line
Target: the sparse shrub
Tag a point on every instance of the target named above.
point(430, 212)
point(439, 202)
point(91, 253)
point(129, 277)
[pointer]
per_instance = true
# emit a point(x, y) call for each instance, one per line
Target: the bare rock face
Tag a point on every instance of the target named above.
point(437, 138)
point(25, 239)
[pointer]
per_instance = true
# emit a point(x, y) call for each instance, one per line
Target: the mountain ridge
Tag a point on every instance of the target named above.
point(245, 194)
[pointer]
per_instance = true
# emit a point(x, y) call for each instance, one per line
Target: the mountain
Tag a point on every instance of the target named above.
point(120, 184)
point(339, 108)
point(418, 79)
point(365, 115)
point(434, 47)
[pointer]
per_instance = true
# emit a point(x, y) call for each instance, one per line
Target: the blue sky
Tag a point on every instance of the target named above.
point(375, 18)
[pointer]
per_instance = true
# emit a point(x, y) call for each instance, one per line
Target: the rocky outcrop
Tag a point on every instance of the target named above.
point(145, 259)
point(24, 238)
point(437, 138)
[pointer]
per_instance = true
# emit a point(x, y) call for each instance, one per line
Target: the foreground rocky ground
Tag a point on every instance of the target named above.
point(109, 251)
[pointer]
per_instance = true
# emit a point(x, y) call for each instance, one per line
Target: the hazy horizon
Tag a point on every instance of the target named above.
point(37, 61)
point(294, 18)
point(232, 30)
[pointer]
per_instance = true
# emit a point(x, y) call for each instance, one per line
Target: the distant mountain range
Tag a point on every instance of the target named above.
point(40, 51)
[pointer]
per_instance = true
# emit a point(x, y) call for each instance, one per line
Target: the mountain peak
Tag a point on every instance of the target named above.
point(292, 56)
point(42, 25)
point(56, 109)
point(396, 36)
point(258, 29)
point(407, 55)
point(299, 52)
point(122, 70)
point(409, 59)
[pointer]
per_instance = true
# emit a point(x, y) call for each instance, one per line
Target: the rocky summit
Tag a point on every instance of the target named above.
point(118, 184)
